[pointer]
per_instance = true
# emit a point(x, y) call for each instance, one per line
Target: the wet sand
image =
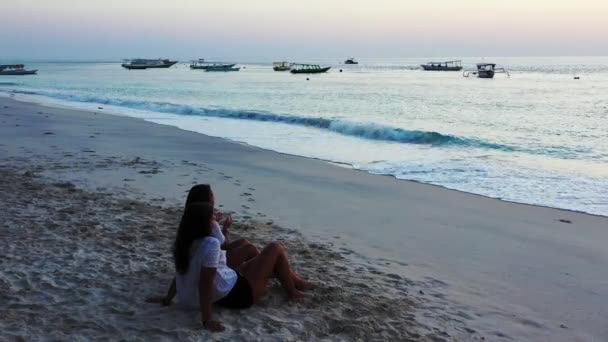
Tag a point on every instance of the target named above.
point(418, 261)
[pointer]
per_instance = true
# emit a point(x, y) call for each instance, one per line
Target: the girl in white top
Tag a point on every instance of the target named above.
point(237, 251)
point(204, 278)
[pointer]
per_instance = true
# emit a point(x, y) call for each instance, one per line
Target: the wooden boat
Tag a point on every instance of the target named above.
point(485, 70)
point(443, 66)
point(351, 61)
point(15, 70)
point(140, 63)
point(202, 65)
point(281, 66)
point(307, 69)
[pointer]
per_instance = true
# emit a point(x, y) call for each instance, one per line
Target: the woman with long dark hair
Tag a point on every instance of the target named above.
point(237, 251)
point(204, 278)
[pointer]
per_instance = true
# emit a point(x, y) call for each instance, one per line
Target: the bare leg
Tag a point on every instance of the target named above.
point(272, 260)
point(237, 256)
point(300, 283)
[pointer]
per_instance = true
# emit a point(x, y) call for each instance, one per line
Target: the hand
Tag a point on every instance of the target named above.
point(165, 301)
point(227, 222)
point(154, 299)
point(213, 326)
point(218, 216)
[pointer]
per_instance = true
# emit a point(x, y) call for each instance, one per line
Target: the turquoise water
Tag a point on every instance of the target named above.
point(536, 137)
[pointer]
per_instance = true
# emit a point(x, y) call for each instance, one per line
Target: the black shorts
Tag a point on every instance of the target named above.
point(240, 297)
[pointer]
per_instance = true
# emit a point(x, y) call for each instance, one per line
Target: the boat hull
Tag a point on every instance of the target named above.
point(18, 72)
point(205, 67)
point(142, 67)
point(485, 74)
point(436, 68)
point(222, 69)
point(281, 68)
point(350, 62)
point(309, 71)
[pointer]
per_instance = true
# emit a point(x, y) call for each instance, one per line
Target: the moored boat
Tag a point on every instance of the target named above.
point(307, 69)
point(201, 64)
point(281, 66)
point(140, 63)
point(15, 70)
point(485, 70)
point(351, 61)
point(443, 66)
point(222, 68)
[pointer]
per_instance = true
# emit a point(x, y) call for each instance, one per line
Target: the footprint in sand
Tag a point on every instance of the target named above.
point(246, 207)
point(250, 200)
point(49, 133)
point(245, 194)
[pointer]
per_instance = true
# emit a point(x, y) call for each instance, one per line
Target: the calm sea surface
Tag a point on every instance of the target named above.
point(538, 136)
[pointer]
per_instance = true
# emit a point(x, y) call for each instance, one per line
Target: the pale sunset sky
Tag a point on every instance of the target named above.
point(270, 29)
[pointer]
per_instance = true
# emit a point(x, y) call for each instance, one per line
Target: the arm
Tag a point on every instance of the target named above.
point(205, 289)
point(170, 294)
point(226, 224)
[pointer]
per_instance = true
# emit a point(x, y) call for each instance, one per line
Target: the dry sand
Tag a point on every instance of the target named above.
point(415, 261)
point(78, 266)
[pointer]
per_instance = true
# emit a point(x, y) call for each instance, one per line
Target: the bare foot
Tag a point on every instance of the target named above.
point(303, 285)
point(296, 295)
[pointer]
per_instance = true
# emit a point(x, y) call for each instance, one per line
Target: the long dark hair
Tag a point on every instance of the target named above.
point(195, 224)
point(199, 193)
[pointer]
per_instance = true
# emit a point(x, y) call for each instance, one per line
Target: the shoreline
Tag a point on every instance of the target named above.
point(341, 164)
point(503, 270)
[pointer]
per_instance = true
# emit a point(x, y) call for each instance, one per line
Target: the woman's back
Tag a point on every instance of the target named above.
point(205, 252)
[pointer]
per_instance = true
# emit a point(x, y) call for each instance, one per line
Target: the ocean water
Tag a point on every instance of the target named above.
point(538, 136)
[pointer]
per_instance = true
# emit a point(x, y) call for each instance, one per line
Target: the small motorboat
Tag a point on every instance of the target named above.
point(442, 66)
point(307, 69)
point(485, 70)
point(15, 70)
point(281, 66)
point(140, 63)
point(351, 61)
point(201, 64)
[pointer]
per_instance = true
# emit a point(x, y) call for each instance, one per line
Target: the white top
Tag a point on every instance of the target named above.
point(205, 253)
point(216, 232)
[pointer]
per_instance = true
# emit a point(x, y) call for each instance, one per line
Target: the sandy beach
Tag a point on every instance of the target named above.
point(91, 202)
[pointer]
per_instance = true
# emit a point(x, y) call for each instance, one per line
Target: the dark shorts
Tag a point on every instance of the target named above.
point(240, 297)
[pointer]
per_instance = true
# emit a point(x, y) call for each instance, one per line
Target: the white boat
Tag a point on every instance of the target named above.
point(281, 66)
point(201, 64)
point(141, 63)
point(15, 70)
point(485, 70)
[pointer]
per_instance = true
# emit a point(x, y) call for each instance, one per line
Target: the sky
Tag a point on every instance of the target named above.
point(272, 29)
